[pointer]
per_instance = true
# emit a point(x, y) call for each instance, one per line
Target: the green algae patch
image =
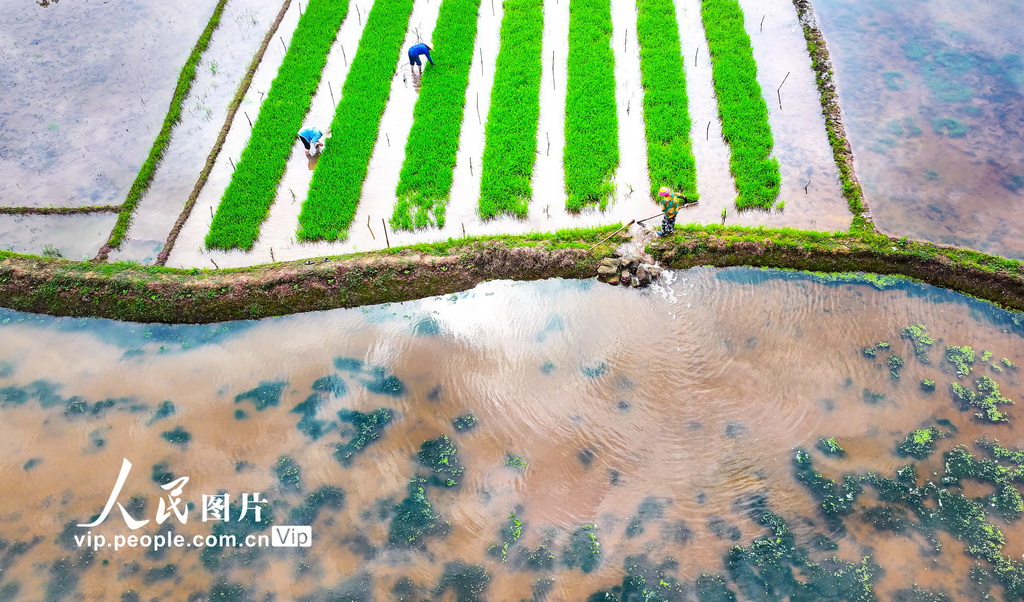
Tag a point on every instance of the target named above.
point(962, 359)
point(265, 395)
point(515, 462)
point(177, 436)
point(415, 518)
point(442, 458)
point(509, 535)
point(831, 447)
point(326, 497)
point(583, 550)
point(986, 398)
point(366, 428)
point(921, 340)
point(920, 443)
point(465, 423)
point(288, 474)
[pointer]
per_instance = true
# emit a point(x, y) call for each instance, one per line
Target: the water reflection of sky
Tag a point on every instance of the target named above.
point(933, 93)
point(86, 87)
point(667, 420)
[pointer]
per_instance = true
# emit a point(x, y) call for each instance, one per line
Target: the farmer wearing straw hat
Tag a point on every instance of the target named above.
point(414, 55)
point(670, 202)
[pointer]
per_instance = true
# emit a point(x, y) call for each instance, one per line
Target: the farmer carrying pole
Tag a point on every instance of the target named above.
point(671, 202)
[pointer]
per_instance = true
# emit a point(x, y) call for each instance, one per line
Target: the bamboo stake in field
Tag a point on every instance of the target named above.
point(329, 88)
point(214, 263)
point(385, 226)
point(372, 235)
point(283, 44)
point(343, 55)
point(272, 259)
point(247, 118)
point(779, 90)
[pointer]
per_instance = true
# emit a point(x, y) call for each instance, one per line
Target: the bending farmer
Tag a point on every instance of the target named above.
point(310, 138)
point(670, 202)
point(414, 55)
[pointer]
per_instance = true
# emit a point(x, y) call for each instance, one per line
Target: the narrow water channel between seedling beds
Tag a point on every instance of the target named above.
point(933, 100)
point(559, 436)
point(86, 88)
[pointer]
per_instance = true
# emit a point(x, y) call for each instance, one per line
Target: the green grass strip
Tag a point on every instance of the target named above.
point(338, 180)
point(511, 131)
point(741, 105)
point(667, 122)
point(425, 184)
point(163, 138)
point(246, 202)
point(591, 123)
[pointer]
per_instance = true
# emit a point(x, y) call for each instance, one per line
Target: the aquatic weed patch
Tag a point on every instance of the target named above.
point(425, 183)
point(338, 180)
point(248, 197)
point(591, 152)
point(741, 105)
point(510, 133)
point(670, 159)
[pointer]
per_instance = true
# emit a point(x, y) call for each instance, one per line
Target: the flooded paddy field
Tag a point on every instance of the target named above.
point(548, 440)
point(86, 87)
point(933, 97)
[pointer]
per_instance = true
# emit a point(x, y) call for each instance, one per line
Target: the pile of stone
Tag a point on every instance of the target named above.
point(627, 271)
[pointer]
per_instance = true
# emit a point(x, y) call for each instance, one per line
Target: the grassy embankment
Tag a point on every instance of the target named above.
point(511, 130)
point(253, 187)
point(591, 122)
point(741, 105)
point(337, 182)
point(666, 117)
point(127, 291)
point(425, 184)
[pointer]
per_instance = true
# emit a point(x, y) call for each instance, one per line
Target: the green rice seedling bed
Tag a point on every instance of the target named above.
point(741, 105)
point(425, 183)
point(156, 153)
point(247, 199)
point(666, 115)
point(511, 131)
point(591, 122)
point(337, 182)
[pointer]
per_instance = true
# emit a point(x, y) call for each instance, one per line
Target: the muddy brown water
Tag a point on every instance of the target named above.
point(86, 88)
point(933, 101)
point(694, 394)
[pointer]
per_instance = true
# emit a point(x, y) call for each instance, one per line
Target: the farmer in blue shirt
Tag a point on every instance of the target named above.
point(414, 55)
point(310, 138)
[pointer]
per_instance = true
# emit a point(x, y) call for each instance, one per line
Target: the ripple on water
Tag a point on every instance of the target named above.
point(668, 419)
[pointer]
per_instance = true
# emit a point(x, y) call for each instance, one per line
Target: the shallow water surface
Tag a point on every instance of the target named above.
point(635, 436)
point(933, 98)
point(86, 88)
